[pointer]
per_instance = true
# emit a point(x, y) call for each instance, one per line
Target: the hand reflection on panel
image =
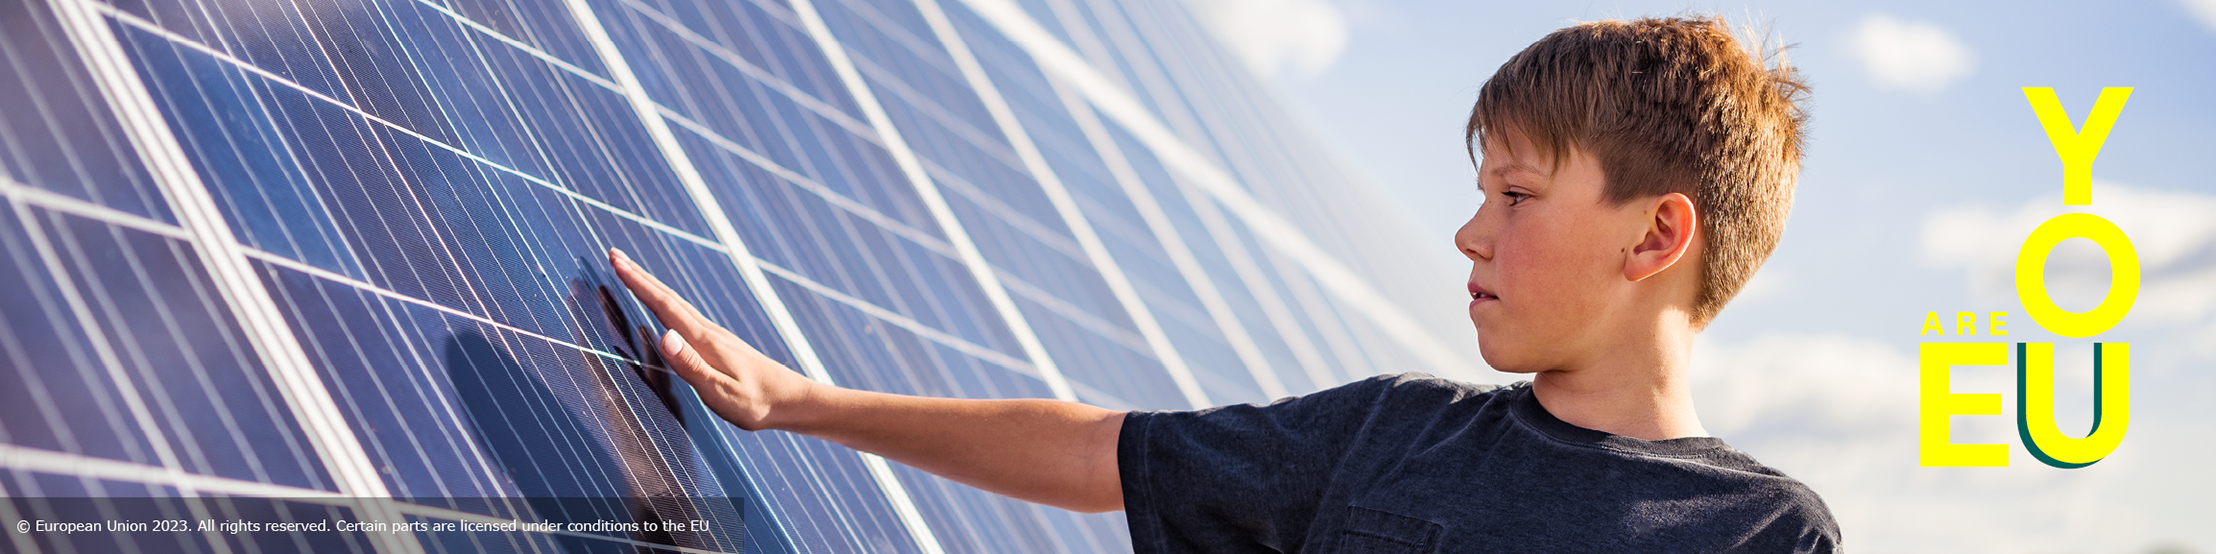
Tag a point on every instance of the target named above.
point(600, 440)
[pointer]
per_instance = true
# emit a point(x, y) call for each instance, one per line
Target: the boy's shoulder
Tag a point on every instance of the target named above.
point(1465, 467)
point(1499, 442)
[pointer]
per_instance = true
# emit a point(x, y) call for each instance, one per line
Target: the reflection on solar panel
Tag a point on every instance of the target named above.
point(317, 251)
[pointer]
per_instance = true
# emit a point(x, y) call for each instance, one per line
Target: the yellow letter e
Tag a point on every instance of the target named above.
point(1939, 405)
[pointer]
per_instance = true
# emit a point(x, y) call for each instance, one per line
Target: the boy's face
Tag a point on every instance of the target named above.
point(1547, 256)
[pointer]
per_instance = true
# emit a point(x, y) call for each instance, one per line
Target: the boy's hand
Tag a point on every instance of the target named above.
point(1047, 451)
point(737, 381)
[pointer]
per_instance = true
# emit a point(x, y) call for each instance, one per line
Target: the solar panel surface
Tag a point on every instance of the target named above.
point(320, 251)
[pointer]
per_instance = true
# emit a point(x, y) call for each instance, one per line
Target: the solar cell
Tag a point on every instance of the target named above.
point(272, 257)
point(57, 134)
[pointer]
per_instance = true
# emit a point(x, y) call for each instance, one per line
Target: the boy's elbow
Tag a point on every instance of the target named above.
point(1103, 479)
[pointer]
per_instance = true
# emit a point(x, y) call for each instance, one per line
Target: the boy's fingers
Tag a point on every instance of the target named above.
point(673, 310)
point(686, 360)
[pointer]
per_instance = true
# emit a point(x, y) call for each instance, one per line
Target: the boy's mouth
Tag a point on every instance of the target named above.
point(1478, 293)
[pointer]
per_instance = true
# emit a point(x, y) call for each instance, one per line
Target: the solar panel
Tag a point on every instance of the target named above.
point(276, 261)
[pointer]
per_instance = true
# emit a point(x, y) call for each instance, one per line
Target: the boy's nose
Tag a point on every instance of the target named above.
point(1472, 239)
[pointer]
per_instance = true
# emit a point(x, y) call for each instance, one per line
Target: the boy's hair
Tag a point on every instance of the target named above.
point(1667, 105)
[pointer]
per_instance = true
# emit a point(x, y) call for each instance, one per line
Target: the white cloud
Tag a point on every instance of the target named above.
point(1912, 56)
point(1769, 282)
point(1271, 36)
point(2206, 9)
point(1840, 413)
point(2173, 232)
point(1833, 385)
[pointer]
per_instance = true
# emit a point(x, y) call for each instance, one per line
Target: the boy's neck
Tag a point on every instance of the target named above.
point(1641, 390)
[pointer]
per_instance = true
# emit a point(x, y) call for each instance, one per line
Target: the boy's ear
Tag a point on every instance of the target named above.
point(1671, 224)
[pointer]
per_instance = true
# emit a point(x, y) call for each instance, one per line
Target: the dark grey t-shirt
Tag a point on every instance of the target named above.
point(1413, 463)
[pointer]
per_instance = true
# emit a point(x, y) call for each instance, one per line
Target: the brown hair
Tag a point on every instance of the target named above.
point(1667, 105)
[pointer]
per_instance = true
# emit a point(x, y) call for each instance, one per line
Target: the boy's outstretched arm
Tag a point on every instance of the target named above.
point(1057, 453)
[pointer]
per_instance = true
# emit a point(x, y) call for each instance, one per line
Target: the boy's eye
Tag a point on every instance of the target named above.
point(1515, 198)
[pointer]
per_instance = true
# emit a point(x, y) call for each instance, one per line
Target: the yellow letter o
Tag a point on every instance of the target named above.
point(2031, 277)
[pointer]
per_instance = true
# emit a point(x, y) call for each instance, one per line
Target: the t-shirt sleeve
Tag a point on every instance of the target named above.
point(1238, 478)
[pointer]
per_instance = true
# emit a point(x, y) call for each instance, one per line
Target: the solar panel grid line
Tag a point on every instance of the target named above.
point(1045, 16)
point(1259, 287)
point(310, 404)
point(1173, 241)
point(894, 491)
point(950, 121)
point(753, 490)
point(1242, 270)
point(1228, 105)
point(903, 49)
point(689, 97)
point(21, 541)
point(1353, 366)
point(334, 245)
point(1014, 230)
point(710, 208)
point(782, 102)
point(350, 106)
point(927, 240)
point(172, 461)
point(21, 458)
point(355, 342)
point(152, 28)
point(1250, 355)
point(1153, 86)
point(829, 144)
point(1088, 44)
point(1299, 171)
point(790, 63)
point(1199, 118)
point(72, 205)
point(1283, 352)
point(1268, 155)
point(1013, 236)
point(61, 463)
point(538, 361)
point(127, 387)
point(136, 268)
point(110, 417)
point(547, 32)
point(26, 66)
point(1175, 152)
point(895, 302)
point(1088, 320)
point(328, 275)
point(804, 98)
point(422, 218)
point(418, 56)
point(1298, 338)
point(852, 527)
point(1009, 215)
point(958, 343)
point(849, 206)
point(1101, 48)
point(913, 169)
point(129, 100)
point(622, 178)
point(496, 34)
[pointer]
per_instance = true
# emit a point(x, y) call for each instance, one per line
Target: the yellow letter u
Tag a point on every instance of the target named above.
point(2035, 405)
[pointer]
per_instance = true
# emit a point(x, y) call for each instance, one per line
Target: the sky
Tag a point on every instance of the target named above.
point(1926, 170)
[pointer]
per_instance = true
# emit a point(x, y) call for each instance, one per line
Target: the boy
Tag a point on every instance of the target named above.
point(1635, 175)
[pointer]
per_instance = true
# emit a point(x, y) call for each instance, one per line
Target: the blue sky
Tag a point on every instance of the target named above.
point(1926, 169)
